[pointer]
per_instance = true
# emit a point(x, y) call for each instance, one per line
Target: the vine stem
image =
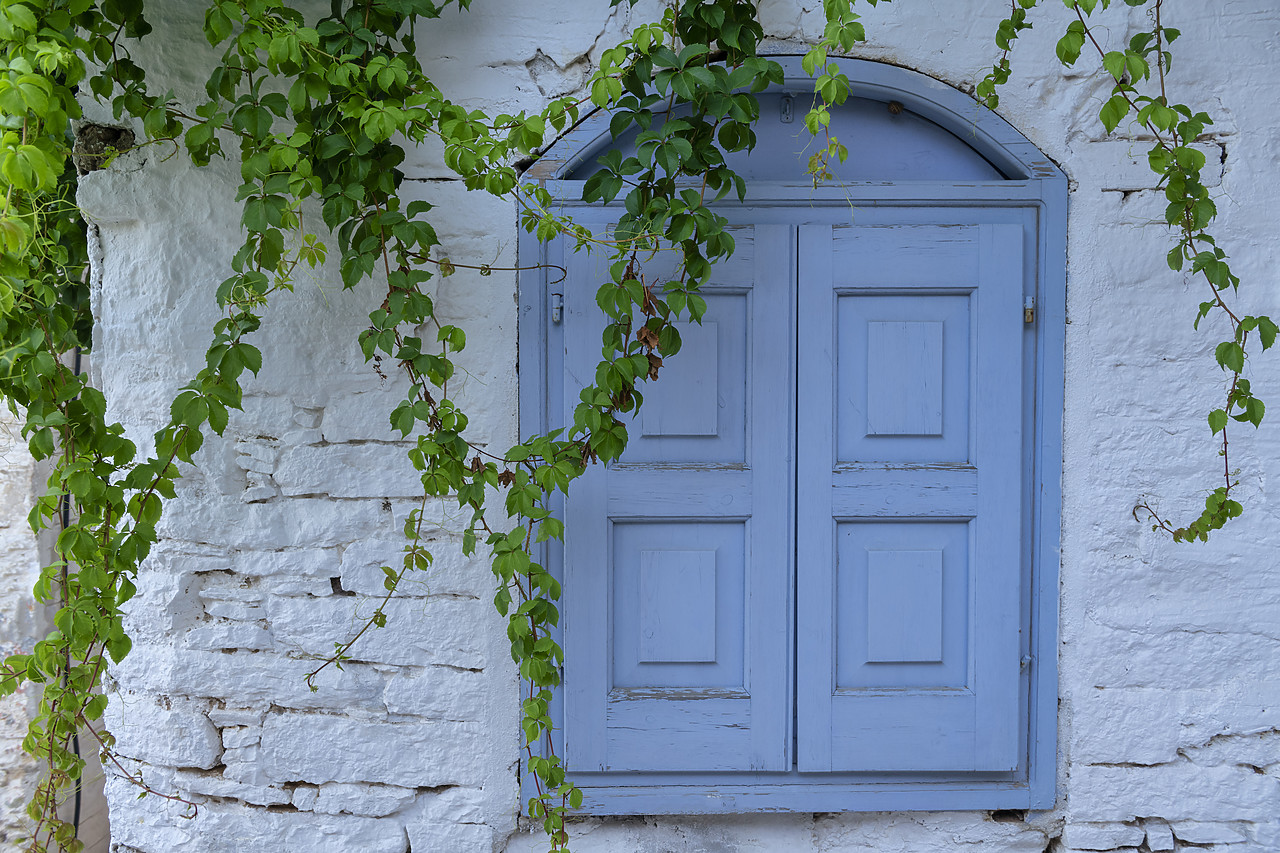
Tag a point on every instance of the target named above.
point(1190, 240)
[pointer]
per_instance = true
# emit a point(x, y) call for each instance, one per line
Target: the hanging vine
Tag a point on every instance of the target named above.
point(324, 110)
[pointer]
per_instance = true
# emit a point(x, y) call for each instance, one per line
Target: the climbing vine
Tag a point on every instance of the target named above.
point(321, 112)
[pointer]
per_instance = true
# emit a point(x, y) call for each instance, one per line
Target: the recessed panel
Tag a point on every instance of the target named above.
point(678, 603)
point(695, 412)
point(685, 401)
point(677, 606)
point(903, 601)
point(903, 378)
point(904, 606)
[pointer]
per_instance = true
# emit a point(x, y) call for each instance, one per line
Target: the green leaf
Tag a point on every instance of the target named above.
point(1114, 63)
point(1230, 356)
point(1267, 332)
point(1217, 420)
point(1069, 46)
point(1113, 112)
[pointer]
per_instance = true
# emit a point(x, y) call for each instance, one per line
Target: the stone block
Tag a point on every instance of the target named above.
point(1121, 165)
point(234, 737)
point(223, 717)
point(256, 456)
point(1177, 792)
point(1101, 836)
point(157, 826)
point(362, 416)
point(456, 805)
point(235, 610)
point(294, 562)
point(418, 631)
point(177, 736)
point(367, 800)
point(305, 796)
point(1153, 725)
point(347, 471)
point(438, 693)
point(1158, 834)
point(242, 765)
point(301, 522)
point(240, 592)
point(450, 838)
point(246, 677)
point(1204, 832)
point(300, 587)
point(320, 748)
point(213, 785)
point(450, 572)
point(230, 635)
point(165, 601)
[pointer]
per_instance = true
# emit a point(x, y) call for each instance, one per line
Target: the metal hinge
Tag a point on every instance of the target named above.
point(786, 110)
point(1029, 310)
point(557, 307)
point(1026, 661)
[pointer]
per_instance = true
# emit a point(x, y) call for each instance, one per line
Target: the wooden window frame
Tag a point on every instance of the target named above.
point(1032, 184)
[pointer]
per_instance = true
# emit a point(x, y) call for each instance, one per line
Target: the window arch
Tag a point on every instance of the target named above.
point(823, 576)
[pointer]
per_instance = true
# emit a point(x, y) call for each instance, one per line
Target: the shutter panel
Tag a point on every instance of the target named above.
point(677, 596)
point(910, 474)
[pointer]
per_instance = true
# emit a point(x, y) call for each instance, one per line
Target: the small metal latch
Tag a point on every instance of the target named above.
point(557, 307)
point(1029, 310)
point(1026, 661)
point(785, 112)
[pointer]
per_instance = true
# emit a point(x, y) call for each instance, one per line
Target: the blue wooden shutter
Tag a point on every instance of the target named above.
point(909, 501)
point(677, 558)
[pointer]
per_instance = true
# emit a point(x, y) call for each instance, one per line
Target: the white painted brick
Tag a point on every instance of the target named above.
point(362, 799)
point(258, 491)
point(230, 635)
point(238, 736)
point(161, 827)
point(260, 417)
point(1180, 792)
point(278, 524)
point(1122, 165)
point(360, 417)
point(318, 749)
point(305, 796)
point(256, 465)
point(1203, 832)
point(242, 764)
point(458, 804)
point(217, 786)
point(1101, 836)
point(450, 573)
point(347, 471)
point(253, 677)
point(234, 610)
point(223, 717)
point(174, 736)
point(437, 692)
point(450, 838)
point(418, 632)
point(1158, 834)
point(238, 593)
point(304, 562)
point(315, 587)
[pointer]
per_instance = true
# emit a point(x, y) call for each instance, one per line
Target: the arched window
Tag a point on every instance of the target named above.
point(823, 576)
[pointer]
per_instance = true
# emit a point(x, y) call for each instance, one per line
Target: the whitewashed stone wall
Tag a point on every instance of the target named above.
point(19, 624)
point(1170, 655)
